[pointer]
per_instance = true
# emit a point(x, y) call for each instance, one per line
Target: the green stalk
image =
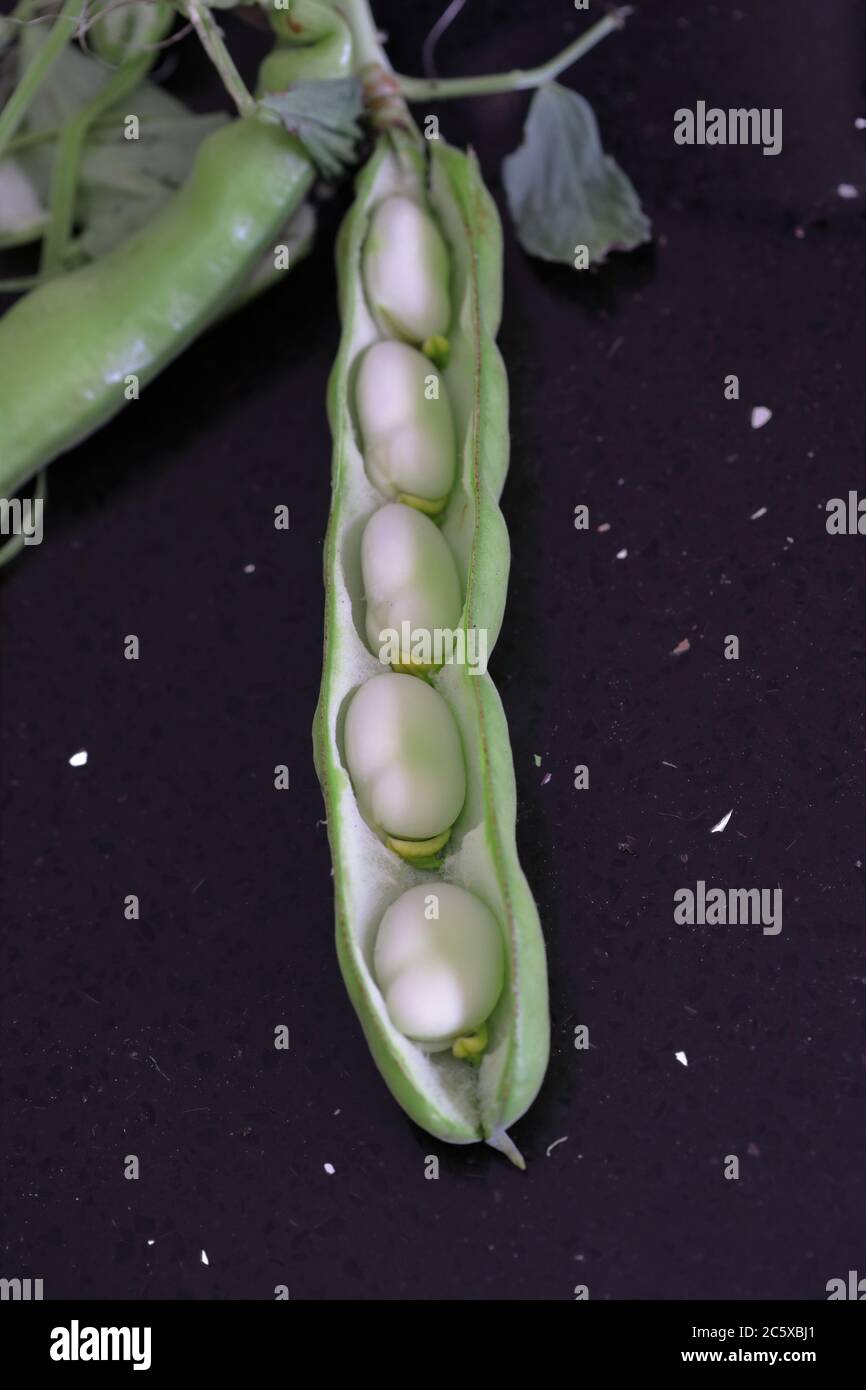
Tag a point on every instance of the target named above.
point(211, 38)
point(103, 128)
point(519, 80)
point(67, 158)
point(383, 95)
point(16, 107)
point(33, 137)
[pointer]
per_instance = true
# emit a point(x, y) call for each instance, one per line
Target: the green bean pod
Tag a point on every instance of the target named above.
point(461, 1101)
point(68, 348)
point(312, 41)
point(117, 31)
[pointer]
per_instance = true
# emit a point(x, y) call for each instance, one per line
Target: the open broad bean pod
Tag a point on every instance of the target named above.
point(438, 939)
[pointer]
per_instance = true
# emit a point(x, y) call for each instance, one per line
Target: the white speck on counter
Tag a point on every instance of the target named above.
point(760, 416)
point(336, 1112)
point(673, 765)
point(78, 759)
point(204, 1258)
point(249, 569)
point(622, 554)
point(605, 526)
point(151, 1242)
point(681, 647)
point(546, 778)
point(722, 824)
point(762, 511)
point(536, 758)
point(330, 1169)
point(681, 1057)
point(860, 123)
point(847, 190)
point(552, 1146)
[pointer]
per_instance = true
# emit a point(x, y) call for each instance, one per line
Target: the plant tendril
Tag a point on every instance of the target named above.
point(445, 20)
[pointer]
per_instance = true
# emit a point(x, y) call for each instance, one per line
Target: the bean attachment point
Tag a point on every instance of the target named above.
point(472, 1046)
point(438, 349)
point(430, 506)
point(424, 854)
point(411, 669)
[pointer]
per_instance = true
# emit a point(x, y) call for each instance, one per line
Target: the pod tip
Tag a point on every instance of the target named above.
point(502, 1141)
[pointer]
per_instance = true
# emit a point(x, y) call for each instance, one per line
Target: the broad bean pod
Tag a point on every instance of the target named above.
point(414, 1030)
point(69, 347)
point(119, 30)
point(312, 41)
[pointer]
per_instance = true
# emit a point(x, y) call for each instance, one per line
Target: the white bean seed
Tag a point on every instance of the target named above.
point(408, 438)
point(409, 576)
point(441, 974)
point(405, 268)
point(404, 757)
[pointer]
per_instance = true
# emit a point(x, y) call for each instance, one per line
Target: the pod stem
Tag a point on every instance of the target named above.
point(384, 98)
point(211, 39)
point(518, 80)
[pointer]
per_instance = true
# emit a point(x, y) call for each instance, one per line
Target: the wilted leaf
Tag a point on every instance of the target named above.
point(122, 182)
point(563, 190)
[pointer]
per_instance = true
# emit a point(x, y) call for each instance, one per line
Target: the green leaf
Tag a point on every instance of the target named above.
point(118, 194)
point(122, 182)
point(325, 118)
point(563, 190)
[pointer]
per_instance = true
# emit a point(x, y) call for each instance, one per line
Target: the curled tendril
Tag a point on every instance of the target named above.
point(443, 22)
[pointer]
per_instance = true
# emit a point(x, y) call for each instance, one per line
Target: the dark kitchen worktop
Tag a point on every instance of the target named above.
point(155, 1037)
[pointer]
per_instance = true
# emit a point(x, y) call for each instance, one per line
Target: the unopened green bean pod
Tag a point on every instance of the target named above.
point(70, 347)
point(445, 965)
point(118, 30)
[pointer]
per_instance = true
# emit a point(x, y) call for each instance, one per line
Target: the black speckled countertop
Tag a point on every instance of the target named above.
point(155, 1037)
